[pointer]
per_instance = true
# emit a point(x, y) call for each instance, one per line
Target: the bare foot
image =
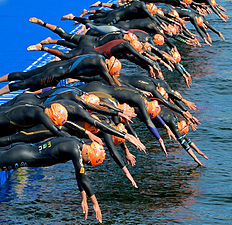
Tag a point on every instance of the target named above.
point(82, 29)
point(46, 41)
point(75, 23)
point(36, 21)
point(68, 17)
point(95, 4)
point(84, 12)
point(36, 47)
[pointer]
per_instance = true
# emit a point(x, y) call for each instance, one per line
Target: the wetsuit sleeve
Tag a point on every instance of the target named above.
point(103, 72)
point(73, 126)
point(130, 130)
point(57, 53)
point(82, 180)
point(113, 151)
point(180, 105)
point(81, 113)
point(101, 109)
point(138, 55)
point(160, 120)
point(146, 118)
point(114, 6)
point(180, 68)
point(46, 121)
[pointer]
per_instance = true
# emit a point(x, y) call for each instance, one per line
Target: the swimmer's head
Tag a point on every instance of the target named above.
point(213, 3)
point(114, 66)
point(175, 13)
point(163, 92)
point(118, 140)
point(176, 56)
point(160, 12)
point(91, 127)
point(130, 36)
point(126, 108)
point(183, 127)
point(96, 153)
point(57, 113)
point(188, 2)
point(172, 29)
point(137, 45)
point(152, 8)
point(91, 98)
point(146, 46)
point(199, 20)
point(158, 39)
point(153, 108)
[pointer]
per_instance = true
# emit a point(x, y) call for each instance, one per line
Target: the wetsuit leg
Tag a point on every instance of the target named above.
point(18, 156)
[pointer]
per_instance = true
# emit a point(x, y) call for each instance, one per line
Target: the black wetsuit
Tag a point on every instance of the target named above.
point(149, 84)
point(125, 95)
point(171, 120)
point(110, 44)
point(40, 132)
point(51, 73)
point(125, 12)
point(17, 117)
point(47, 153)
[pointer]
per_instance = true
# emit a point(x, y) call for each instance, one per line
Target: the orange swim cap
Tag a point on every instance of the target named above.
point(91, 127)
point(118, 140)
point(175, 13)
point(91, 98)
point(183, 127)
point(188, 2)
point(153, 108)
point(152, 8)
point(158, 39)
point(114, 66)
point(160, 12)
point(57, 113)
point(213, 3)
point(163, 92)
point(176, 56)
point(96, 153)
point(136, 45)
point(199, 20)
point(125, 107)
point(172, 29)
point(130, 36)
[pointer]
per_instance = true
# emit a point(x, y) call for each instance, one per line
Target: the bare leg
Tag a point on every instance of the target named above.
point(95, 4)
point(82, 30)
point(84, 12)
point(37, 47)
point(192, 144)
point(47, 41)
point(41, 23)
point(68, 17)
point(4, 90)
point(4, 78)
point(190, 152)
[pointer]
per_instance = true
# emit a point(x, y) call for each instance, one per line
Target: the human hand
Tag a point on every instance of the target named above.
point(163, 146)
point(130, 158)
point(85, 208)
point(170, 133)
point(93, 137)
point(96, 208)
point(136, 142)
point(190, 105)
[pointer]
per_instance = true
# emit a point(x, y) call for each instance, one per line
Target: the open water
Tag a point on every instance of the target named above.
point(171, 190)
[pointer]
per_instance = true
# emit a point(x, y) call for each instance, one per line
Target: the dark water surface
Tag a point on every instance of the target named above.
point(171, 190)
